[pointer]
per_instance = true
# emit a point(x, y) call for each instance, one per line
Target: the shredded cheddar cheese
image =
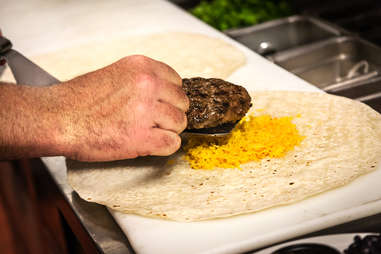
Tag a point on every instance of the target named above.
point(254, 138)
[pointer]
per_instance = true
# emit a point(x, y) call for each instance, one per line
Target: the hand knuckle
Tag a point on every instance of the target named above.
point(147, 82)
point(141, 108)
point(141, 59)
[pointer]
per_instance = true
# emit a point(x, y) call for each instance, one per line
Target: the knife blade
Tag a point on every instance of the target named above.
point(24, 71)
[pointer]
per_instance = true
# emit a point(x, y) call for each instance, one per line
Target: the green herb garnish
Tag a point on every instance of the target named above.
point(227, 14)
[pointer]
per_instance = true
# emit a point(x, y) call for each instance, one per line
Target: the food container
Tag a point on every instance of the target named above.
point(359, 89)
point(282, 34)
point(333, 63)
point(367, 91)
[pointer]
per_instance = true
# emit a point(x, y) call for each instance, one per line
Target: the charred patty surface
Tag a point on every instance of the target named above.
point(214, 102)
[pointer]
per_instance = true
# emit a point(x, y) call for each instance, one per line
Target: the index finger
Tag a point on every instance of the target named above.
point(166, 72)
point(173, 94)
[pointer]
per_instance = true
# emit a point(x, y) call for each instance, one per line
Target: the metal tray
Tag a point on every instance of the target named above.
point(367, 91)
point(373, 100)
point(282, 34)
point(333, 63)
point(359, 89)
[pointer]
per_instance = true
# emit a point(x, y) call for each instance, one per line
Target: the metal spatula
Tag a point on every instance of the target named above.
point(218, 131)
point(25, 71)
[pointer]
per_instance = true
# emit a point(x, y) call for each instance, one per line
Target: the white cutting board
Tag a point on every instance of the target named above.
point(358, 199)
point(53, 25)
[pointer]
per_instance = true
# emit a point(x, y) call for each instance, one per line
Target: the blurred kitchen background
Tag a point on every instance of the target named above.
point(362, 17)
point(333, 44)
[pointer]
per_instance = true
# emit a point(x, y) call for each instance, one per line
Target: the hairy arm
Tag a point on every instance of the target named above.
point(28, 122)
point(134, 107)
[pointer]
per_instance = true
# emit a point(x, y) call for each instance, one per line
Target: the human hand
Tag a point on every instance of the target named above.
point(134, 107)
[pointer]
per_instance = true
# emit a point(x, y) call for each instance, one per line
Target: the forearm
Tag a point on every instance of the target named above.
point(29, 122)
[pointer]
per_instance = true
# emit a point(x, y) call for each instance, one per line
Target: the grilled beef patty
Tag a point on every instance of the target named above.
point(214, 102)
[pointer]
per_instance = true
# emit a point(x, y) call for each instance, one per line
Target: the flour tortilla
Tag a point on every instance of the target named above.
point(190, 54)
point(342, 141)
